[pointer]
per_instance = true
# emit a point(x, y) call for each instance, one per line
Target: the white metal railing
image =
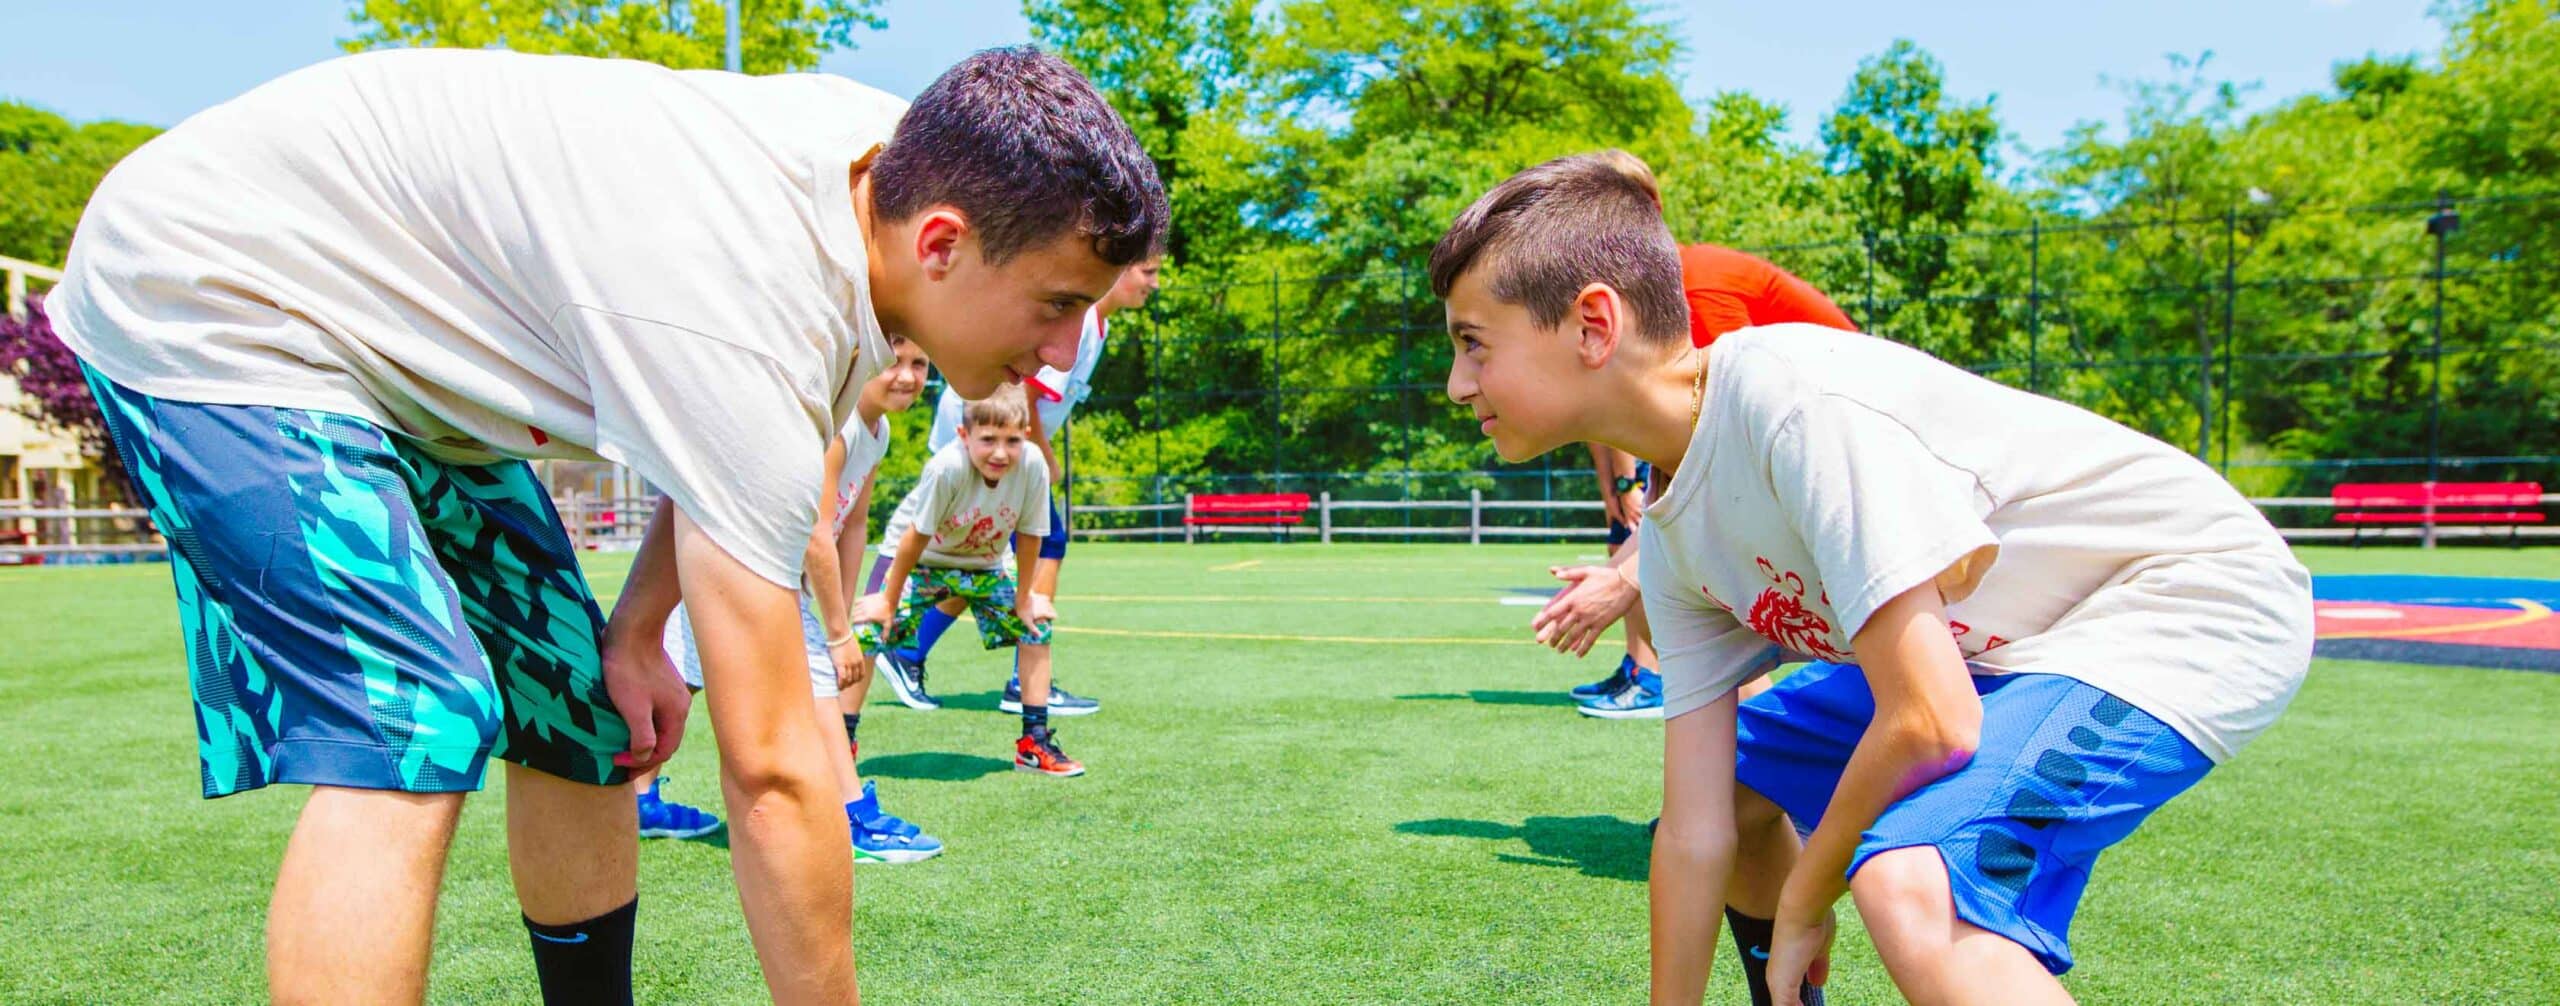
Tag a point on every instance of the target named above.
point(618, 524)
point(19, 271)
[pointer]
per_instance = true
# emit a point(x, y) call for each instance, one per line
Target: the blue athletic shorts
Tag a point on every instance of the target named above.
point(1055, 545)
point(360, 614)
point(2065, 771)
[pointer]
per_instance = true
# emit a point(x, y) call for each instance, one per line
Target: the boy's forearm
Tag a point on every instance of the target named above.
point(1026, 562)
point(826, 584)
point(650, 592)
point(910, 552)
point(1927, 724)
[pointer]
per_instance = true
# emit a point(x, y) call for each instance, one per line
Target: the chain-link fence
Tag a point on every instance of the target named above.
point(2292, 348)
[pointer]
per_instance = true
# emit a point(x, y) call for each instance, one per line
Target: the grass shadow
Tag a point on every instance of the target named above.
point(1600, 846)
point(938, 766)
point(976, 702)
point(717, 839)
point(1490, 697)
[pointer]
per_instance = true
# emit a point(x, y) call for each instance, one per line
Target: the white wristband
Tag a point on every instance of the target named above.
point(848, 637)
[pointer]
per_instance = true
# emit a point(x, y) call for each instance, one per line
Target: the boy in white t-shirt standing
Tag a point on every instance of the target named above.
point(839, 676)
point(329, 321)
point(2033, 625)
point(1055, 393)
point(985, 494)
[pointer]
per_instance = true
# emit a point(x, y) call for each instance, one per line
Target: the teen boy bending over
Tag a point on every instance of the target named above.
point(329, 319)
point(2035, 626)
point(985, 493)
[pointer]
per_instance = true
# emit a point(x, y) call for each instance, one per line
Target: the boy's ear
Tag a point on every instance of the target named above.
point(940, 232)
point(1599, 319)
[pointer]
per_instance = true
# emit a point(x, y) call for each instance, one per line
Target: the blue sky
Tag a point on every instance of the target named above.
point(2045, 61)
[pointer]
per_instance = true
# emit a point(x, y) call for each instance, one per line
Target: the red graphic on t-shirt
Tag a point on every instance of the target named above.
point(1781, 617)
point(1994, 643)
point(1958, 628)
point(985, 535)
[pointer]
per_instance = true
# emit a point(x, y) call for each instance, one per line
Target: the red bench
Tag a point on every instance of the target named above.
point(8, 538)
point(1280, 510)
point(2514, 504)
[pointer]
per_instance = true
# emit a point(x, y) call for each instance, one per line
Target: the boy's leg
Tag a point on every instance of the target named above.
point(347, 927)
point(572, 825)
point(1791, 744)
point(1933, 955)
point(325, 647)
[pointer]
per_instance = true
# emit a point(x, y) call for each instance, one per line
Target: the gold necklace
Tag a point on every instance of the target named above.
point(1698, 389)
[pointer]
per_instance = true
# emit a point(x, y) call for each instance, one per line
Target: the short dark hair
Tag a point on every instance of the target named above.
point(1023, 146)
point(1545, 233)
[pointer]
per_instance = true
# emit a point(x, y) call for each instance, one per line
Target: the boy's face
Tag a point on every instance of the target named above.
point(1140, 282)
point(994, 450)
point(990, 325)
point(1515, 374)
point(896, 388)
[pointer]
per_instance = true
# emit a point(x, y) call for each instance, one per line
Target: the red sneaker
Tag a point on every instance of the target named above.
point(1039, 753)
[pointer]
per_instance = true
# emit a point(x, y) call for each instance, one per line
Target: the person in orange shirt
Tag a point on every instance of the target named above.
point(1727, 290)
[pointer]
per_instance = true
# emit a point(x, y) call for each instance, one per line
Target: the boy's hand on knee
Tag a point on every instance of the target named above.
point(1036, 608)
point(651, 697)
point(873, 609)
point(1800, 955)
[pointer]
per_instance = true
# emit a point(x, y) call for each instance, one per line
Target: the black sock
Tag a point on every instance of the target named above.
point(852, 723)
point(1751, 939)
point(1035, 719)
point(585, 962)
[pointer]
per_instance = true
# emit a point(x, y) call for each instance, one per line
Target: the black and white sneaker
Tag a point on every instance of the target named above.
point(905, 678)
point(1061, 701)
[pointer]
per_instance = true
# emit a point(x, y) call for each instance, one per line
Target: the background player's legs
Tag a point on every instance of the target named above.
point(353, 915)
point(1935, 957)
point(839, 743)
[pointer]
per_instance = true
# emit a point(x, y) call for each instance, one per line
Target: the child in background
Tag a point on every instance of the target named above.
point(836, 663)
point(2034, 626)
point(975, 497)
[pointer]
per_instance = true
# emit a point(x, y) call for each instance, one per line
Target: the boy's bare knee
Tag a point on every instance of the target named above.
point(1905, 890)
point(1753, 813)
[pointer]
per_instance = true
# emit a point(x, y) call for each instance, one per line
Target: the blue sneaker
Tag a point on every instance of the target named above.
point(662, 819)
point(882, 837)
point(1061, 701)
point(903, 669)
point(1617, 679)
point(1641, 699)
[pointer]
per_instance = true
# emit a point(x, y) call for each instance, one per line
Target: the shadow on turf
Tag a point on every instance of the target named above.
point(1598, 845)
point(976, 702)
point(1487, 697)
point(939, 766)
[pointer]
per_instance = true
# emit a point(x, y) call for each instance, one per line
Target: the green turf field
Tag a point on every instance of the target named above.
point(1274, 819)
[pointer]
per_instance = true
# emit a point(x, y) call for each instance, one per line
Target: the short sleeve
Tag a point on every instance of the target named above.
point(1879, 511)
point(1035, 496)
point(724, 432)
point(1703, 651)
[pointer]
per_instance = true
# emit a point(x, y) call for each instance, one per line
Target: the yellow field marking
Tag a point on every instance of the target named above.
point(2533, 612)
point(1268, 637)
point(1234, 566)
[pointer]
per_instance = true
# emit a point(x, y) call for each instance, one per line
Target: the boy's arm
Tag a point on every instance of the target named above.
point(1927, 724)
point(1048, 453)
point(819, 567)
point(1693, 850)
point(878, 608)
point(826, 586)
point(851, 541)
point(638, 678)
point(1030, 604)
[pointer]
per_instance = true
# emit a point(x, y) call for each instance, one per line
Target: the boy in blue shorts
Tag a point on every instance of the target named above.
point(838, 672)
point(985, 494)
point(1055, 393)
point(2033, 626)
point(329, 321)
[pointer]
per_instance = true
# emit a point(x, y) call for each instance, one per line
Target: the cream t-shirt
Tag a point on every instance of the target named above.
point(968, 523)
point(864, 449)
point(501, 255)
point(1831, 472)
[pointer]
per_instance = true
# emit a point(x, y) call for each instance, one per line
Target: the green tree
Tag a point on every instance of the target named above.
point(778, 35)
point(48, 167)
point(1916, 161)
